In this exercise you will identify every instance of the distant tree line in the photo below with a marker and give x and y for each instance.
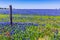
(3, 8)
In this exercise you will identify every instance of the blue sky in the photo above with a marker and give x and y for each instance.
(31, 4)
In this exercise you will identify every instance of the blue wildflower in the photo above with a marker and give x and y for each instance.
(35, 24)
(22, 28)
(29, 24)
(12, 32)
(43, 24)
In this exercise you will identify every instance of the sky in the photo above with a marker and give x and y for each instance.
(31, 4)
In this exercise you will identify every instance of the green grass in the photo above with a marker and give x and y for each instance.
(34, 32)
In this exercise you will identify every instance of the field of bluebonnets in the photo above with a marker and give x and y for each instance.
(30, 27)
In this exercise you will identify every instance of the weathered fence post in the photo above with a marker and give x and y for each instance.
(10, 14)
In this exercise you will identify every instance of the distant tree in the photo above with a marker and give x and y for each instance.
(0, 8)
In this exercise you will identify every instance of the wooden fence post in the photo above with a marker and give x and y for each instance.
(10, 14)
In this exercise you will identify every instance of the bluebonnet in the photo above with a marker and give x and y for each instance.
(25, 23)
(35, 24)
(19, 23)
(2, 27)
(43, 24)
(6, 23)
(12, 32)
(22, 28)
(29, 24)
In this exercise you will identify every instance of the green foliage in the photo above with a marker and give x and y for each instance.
(51, 23)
